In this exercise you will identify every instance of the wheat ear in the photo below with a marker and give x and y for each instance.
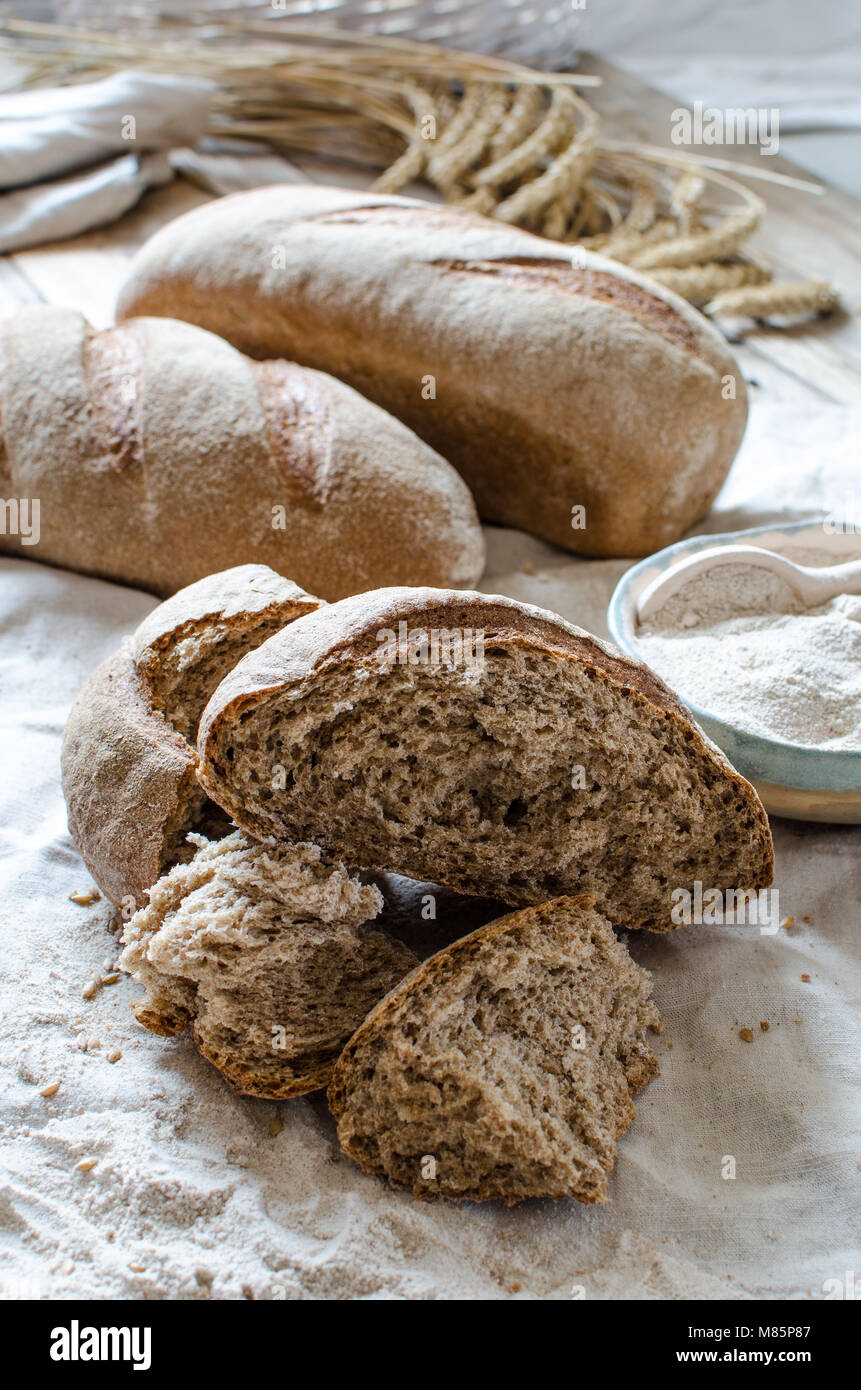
(786, 299)
(700, 283)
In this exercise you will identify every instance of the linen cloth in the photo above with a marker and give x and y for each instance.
(71, 159)
(193, 1193)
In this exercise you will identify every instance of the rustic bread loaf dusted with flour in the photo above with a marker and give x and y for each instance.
(551, 378)
(504, 1066)
(158, 454)
(129, 770)
(265, 952)
(485, 744)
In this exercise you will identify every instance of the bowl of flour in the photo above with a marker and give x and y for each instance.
(775, 684)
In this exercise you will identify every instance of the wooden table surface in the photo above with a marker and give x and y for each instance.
(803, 235)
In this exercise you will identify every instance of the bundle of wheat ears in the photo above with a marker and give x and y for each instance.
(489, 135)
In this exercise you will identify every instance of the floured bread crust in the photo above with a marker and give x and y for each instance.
(561, 379)
(129, 767)
(160, 455)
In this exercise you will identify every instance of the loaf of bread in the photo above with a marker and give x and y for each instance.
(484, 744)
(128, 764)
(554, 380)
(158, 454)
(265, 952)
(504, 1066)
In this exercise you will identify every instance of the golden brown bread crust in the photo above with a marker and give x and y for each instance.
(589, 283)
(557, 385)
(245, 601)
(246, 1081)
(348, 633)
(160, 455)
(129, 778)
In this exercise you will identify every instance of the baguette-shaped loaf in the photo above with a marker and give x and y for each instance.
(158, 454)
(129, 771)
(551, 378)
(504, 1066)
(484, 744)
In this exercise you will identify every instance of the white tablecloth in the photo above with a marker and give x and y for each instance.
(192, 1196)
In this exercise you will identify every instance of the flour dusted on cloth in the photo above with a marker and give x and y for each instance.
(737, 642)
(198, 1193)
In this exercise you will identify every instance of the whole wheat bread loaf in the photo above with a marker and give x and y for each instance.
(504, 1066)
(265, 952)
(536, 762)
(551, 378)
(129, 767)
(158, 454)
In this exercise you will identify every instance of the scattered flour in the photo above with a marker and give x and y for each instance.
(738, 643)
(198, 1194)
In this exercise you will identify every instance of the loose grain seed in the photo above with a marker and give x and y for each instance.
(84, 898)
(50, 1090)
(86, 1164)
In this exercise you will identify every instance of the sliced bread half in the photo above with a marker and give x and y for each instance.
(484, 744)
(264, 952)
(128, 762)
(504, 1066)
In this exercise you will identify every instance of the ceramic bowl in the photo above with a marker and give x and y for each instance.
(792, 780)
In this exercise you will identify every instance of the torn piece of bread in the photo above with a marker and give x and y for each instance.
(264, 952)
(485, 744)
(504, 1066)
(186, 645)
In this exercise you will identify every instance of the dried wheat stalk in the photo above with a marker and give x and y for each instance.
(488, 135)
(703, 283)
(783, 300)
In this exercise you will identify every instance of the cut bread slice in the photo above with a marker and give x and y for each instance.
(185, 646)
(484, 744)
(504, 1066)
(264, 952)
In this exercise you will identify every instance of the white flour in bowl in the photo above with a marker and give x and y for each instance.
(738, 643)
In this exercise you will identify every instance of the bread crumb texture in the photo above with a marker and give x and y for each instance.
(504, 1066)
(262, 949)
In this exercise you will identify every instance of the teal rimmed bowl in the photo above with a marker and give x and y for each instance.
(792, 780)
